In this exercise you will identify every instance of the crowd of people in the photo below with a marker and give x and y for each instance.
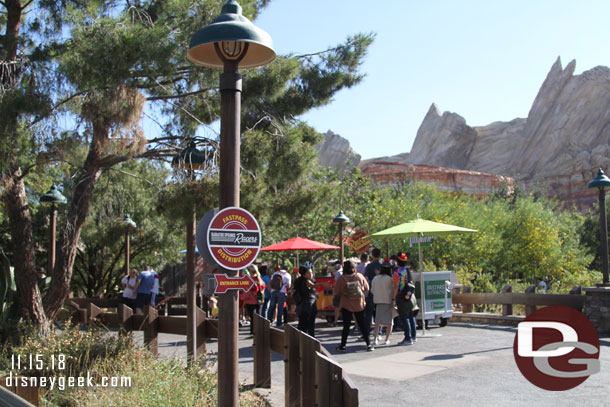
(140, 289)
(373, 294)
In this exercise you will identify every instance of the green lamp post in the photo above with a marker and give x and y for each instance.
(341, 220)
(190, 159)
(129, 225)
(52, 197)
(601, 181)
(230, 42)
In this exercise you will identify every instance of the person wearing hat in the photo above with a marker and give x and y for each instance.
(404, 293)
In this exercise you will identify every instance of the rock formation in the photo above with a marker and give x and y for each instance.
(564, 139)
(335, 152)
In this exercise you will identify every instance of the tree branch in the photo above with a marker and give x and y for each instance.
(178, 96)
(135, 176)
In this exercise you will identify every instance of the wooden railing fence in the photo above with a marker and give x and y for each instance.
(311, 377)
(507, 299)
(151, 323)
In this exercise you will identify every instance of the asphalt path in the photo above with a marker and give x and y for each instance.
(460, 364)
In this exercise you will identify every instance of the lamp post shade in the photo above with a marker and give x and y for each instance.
(600, 181)
(53, 196)
(190, 158)
(231, 37)
(129, 222)
(341, 218)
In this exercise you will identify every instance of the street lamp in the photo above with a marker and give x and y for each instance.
(130, 224)
(230, 42)
(341, 219)
(52, 197)
(600, 182)
(190, 159)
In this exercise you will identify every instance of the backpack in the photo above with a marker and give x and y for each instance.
(353, 290)
(276, 282)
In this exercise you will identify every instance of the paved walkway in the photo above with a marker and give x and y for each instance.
(458, 365)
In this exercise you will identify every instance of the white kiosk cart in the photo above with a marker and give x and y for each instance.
(438, 286)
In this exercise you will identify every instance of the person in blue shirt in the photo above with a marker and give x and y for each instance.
(263, 271)
(144, 286)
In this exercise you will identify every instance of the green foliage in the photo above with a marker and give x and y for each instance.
(82, 349)
(149, 380)
(9, 311)
(518, 239)
(131, 188)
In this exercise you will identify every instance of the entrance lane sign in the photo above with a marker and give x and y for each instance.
(225, 283)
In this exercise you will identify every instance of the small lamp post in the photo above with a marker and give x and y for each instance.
(130, 224)
(190, 159)
(341, 219)
(52, 197)
(601, 181)
(230, 42)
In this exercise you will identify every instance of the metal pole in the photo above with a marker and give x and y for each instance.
(421, 287)
(341, 251)
(52, 239)
(191, 327)
(604, 234)
(230, 100)
(127, 252)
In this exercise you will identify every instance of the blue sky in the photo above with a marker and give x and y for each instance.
(484, 60)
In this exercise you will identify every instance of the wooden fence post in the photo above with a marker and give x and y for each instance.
(291, 366)
(125, 314)
(507, 309)
(328, 381)
(92, 311)
(200, 318)
(151, 329)
(262, 352)
(308, 347)
(530, 308)
(467, 307)
(350, 393)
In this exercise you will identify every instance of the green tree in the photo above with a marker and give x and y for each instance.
(95, 66)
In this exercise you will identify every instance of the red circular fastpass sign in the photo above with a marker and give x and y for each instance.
(234, 238)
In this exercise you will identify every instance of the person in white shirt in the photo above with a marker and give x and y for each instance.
(337, 272)
(129, 283)
(278, 286)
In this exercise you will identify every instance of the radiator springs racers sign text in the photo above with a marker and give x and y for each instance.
(234, 238)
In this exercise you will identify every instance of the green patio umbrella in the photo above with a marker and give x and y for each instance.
(420, 228)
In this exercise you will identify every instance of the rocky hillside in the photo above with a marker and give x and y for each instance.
(335, 152)
(561, 143)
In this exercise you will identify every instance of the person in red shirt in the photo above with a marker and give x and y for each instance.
(253, 299)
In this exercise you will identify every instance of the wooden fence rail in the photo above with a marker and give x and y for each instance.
(151, 323)
(507, 299)
(311, 378)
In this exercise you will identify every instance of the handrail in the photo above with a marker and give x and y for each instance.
(8, 398)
